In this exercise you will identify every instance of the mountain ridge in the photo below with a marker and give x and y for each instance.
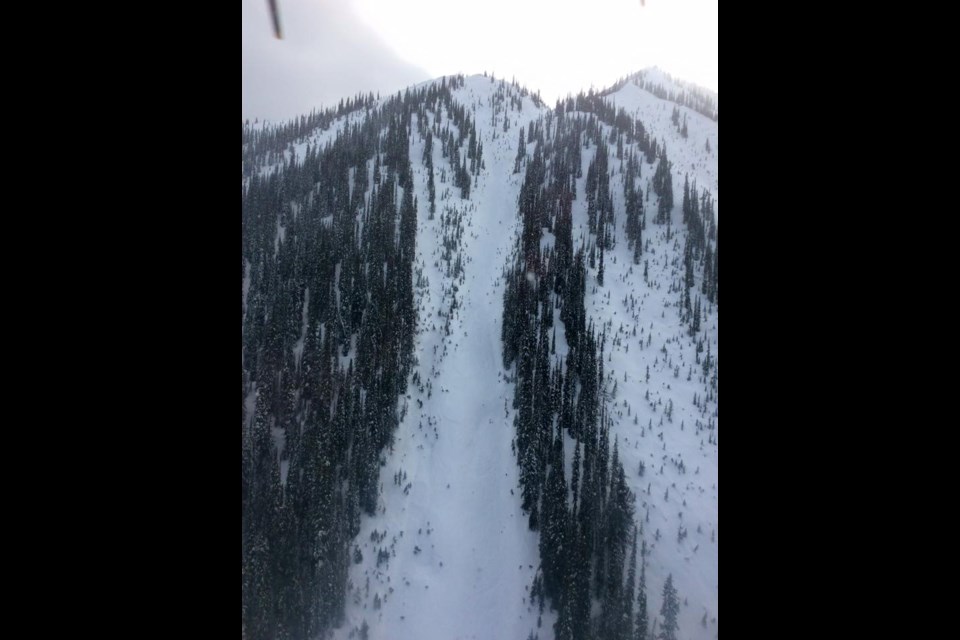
(456, 580)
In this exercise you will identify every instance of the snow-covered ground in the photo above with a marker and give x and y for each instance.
(449, 554)
(669, 494)
(461, 556)
(687, 155)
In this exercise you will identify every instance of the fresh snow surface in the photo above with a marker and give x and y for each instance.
(668, 495)
(459, 500)
(461, 557)
(656, 75)
(687, 155)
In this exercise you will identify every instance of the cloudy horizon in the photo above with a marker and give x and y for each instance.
(333, 50)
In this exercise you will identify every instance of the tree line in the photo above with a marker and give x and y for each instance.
(329, 242)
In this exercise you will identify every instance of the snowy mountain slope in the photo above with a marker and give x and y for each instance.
(688, 155)
(449, 553)
(660, 363)
(461, 556)
(656, 79)
(669, 496)
(479, 594)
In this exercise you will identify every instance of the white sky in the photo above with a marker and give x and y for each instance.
(336, 48)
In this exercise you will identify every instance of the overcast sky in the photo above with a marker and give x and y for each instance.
(336, 48)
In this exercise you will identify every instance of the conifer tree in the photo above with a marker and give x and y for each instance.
(669, 611)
